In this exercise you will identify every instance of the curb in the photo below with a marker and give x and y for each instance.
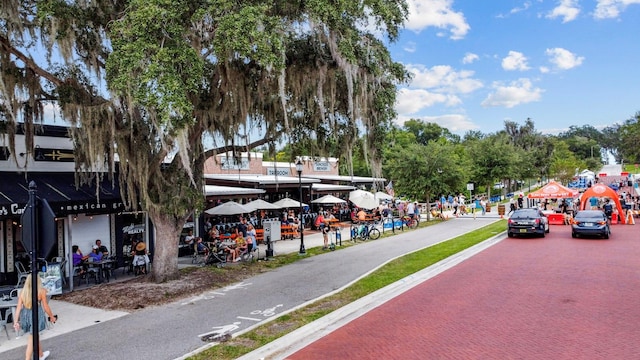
(300, 338)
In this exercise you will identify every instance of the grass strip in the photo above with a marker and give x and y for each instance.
(391, 272)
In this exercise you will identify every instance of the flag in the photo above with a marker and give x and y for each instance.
(389, 188)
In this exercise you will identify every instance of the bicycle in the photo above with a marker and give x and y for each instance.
(364, 232)
(410, 222)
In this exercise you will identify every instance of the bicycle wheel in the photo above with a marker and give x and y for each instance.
(374, 234)
(413, 223)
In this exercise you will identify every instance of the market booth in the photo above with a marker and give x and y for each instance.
(554, 190)
(600, 190)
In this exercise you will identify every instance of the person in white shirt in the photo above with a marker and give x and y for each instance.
(189, 238)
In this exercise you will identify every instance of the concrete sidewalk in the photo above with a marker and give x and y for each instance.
(71, 317)
(74, 317)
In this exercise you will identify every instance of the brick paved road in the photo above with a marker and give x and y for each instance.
(552, 298)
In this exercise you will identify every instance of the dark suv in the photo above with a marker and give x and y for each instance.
(527, 221)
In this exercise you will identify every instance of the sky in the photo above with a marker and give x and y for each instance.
(478, 63)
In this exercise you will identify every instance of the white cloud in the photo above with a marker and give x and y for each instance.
(516, 10)
(544, 69)
(452, 122)
(608, 9)
(436, 13)
(469, 58)
(515, 61)
(410, 47)
(513, 94)
(411, 101)
(568, 10)
(443, 79)
(564, 59)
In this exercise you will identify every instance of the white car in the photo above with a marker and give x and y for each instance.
(498, 186)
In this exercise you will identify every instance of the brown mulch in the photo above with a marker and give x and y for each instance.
(140, 292)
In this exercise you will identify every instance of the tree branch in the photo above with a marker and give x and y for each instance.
(29, 63)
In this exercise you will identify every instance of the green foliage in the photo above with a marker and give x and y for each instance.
(629, 138)
(152, 61)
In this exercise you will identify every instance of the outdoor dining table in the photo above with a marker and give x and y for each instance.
(104, 266)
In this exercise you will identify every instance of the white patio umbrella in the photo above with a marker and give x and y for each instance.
(328, 199)
(383, 196)
(261, 205)
(363, 199)
(288, 203)
(228, 208)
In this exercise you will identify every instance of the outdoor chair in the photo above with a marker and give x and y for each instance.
(22, 274)
(3, 322)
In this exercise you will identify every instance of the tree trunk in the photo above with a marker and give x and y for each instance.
(165, 257)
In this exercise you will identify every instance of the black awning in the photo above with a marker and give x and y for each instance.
(60, 190)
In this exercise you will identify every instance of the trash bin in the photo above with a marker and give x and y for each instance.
(500, 209)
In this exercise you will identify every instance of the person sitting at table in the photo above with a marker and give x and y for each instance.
(229, 248)
(189, 239)
(201, 248)
(140, 258)
(79, 260)
(95, 254)
(251, 237)
(362, 215)
(101, 248)
(214, 234)
(241, 248)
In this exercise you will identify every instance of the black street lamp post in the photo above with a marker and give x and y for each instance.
(299, 170)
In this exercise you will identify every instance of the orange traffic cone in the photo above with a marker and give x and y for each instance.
(630, 220)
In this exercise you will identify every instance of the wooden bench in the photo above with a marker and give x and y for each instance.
(288, 231)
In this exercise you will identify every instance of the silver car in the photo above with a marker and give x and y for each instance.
(590, 222)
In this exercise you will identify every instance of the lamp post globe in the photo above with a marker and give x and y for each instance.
(303, 251)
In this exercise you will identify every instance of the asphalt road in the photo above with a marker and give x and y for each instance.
(171, 331)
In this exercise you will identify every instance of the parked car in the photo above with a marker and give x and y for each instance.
(527, 221)
(591, 223)
(498, 186)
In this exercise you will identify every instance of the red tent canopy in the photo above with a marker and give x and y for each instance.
(553, 190)
(600, 190)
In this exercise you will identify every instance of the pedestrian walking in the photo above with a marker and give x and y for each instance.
(512, 206)
(23, 315)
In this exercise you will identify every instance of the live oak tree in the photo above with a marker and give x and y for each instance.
(144, 83)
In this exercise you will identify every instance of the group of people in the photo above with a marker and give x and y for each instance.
(240, 240)
(81, 261)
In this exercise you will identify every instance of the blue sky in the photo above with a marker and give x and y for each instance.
(477, 63)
